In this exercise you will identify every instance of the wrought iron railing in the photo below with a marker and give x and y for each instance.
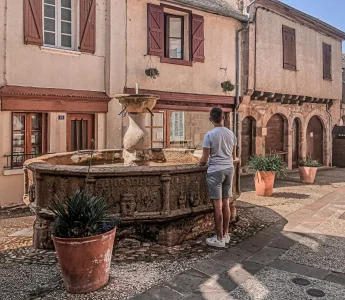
(16, 161)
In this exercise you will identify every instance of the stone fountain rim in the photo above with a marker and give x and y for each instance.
(117, 96)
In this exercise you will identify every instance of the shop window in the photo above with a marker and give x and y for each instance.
(28, 137)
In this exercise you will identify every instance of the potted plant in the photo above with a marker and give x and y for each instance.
(227, 86)
(83, 237)
(266, 168)
(307, 170)
(152, 72)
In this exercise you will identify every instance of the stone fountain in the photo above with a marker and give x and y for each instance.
(161, 195)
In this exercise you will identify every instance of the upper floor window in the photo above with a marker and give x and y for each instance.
(289, 48)
(66, 24)
(58, 23)
(174, 36)
(327, 61)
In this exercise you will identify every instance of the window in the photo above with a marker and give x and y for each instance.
(174, 26)
(28, 137)
(80, 132)
(327, 61)
(58, 23)
(289, 48)
(177, 132)
(167, 38)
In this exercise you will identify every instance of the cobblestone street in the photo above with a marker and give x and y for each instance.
(298, 233)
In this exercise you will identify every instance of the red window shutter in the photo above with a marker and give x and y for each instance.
(87, 26)
(33, 22)
(155, 30)
(289, 48)
(198, 39)
(327, 61)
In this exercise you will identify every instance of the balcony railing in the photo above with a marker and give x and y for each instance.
(16, 161)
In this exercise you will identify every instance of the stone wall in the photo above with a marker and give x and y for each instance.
(262, 111)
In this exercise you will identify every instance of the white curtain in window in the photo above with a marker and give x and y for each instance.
(177, 130)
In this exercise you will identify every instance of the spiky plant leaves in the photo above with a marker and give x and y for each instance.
(267, 163)
(82, 215)
(309, 162)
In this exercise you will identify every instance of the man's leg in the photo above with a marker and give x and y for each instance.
(226, 216)
(218, 218)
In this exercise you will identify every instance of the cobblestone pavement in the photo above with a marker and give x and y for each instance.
(266, 242)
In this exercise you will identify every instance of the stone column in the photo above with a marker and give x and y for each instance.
(165, 181)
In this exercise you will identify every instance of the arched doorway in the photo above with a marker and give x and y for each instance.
(248, 139)
(296, 142)
(315, 139)
(276, 138)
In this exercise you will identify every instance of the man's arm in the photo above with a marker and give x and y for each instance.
(234, 153)
(205, 155)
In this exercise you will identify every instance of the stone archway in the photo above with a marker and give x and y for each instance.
(315, 139)
(277, 136)
(248, 139)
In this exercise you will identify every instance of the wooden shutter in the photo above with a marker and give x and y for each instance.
(33, 26)
(87, 26)
(155, 30)
(289, 48)
(198, 39)
(327, 61)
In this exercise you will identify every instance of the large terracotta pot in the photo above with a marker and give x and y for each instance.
(264, 182)
(307, 174)
(85, 262)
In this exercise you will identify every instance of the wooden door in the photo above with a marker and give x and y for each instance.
(295, 142)
(275, 134)
(315, 139)
(248, 140)
(80, 131)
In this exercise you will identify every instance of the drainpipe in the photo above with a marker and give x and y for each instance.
(237, 100)
(330, 135)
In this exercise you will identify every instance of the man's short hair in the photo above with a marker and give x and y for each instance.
(216, 115)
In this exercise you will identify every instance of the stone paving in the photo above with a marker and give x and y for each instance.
(307, 244)
(305, 240)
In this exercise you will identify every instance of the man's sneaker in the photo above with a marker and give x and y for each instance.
(227, 239)
(214, 242)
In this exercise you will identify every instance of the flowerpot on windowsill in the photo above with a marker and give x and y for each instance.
(307, 174)
(264, 182)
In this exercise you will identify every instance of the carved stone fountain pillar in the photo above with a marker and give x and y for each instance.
(137, 142)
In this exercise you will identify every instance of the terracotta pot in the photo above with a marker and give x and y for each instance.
(264, 182)
(307, 174)
(85, 262)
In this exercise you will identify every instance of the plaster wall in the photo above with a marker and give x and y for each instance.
(308, 79)
(30, 65)
(201, 78)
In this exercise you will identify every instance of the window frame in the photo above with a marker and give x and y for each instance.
(58, 33)
(167, 37)
(323, 62)
(286, 65)
(27, 136)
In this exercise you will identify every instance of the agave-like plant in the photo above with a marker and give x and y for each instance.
(309, 162)
(267, 163)
(82, 215)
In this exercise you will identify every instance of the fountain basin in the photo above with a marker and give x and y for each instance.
(167, 201)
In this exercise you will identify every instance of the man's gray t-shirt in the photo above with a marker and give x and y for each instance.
(221, 141)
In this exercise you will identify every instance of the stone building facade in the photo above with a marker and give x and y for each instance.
(292, 84)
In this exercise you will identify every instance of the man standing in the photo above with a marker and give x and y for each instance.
(219, 150)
